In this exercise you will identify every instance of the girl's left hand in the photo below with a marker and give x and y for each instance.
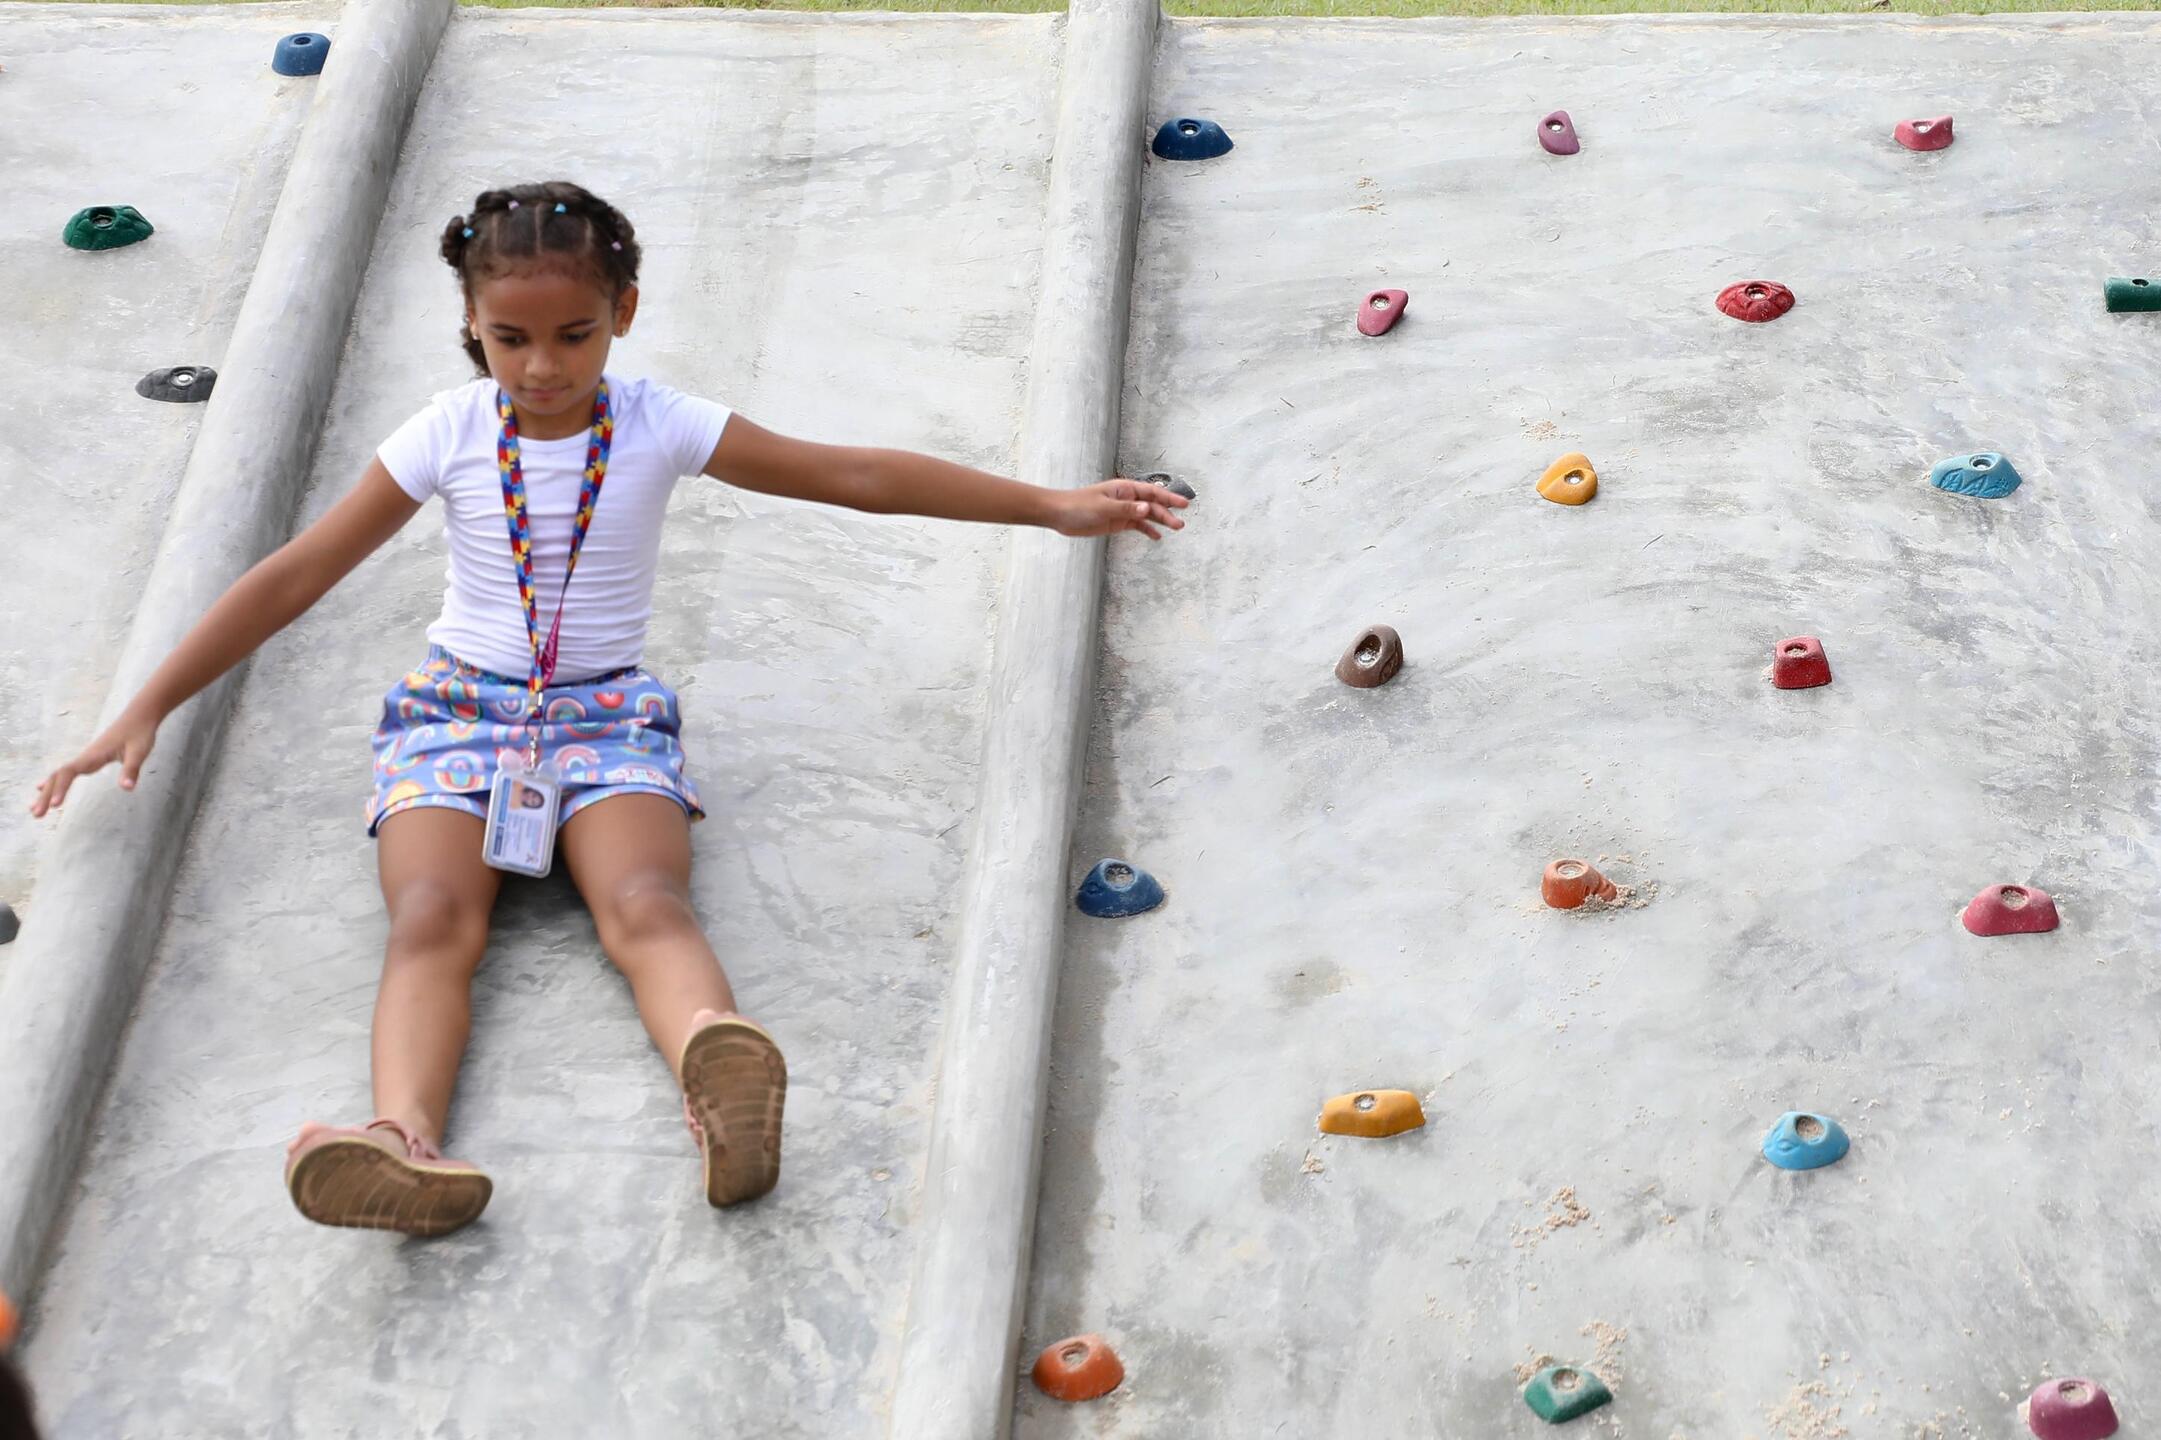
(1111, 506)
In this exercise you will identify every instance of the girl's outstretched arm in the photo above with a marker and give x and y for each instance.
(274, 593)
(901, 482)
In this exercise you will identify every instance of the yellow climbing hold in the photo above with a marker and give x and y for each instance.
(1372, 1113)
(1570, 480)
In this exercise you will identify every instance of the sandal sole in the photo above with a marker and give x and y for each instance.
(737, 1085)
(358, 1185)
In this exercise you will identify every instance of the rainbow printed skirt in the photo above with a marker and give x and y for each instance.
(447, 726)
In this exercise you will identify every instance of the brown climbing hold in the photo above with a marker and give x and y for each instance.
(1570, 480)
(1081, 1368)
(1378, 312)
(1755, 300)
(1373, 659)
(1924, 134)
(1372, 1114)
(1569, 883)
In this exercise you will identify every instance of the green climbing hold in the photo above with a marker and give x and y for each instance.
(105, 227)
(1562, 1392)
(2132, 292)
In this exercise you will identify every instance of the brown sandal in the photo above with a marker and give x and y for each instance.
(735, 1084)
(382, 1177)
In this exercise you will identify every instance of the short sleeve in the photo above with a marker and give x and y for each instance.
(687, 427)
(415, 451)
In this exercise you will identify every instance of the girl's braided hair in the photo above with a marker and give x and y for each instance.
(554, 223)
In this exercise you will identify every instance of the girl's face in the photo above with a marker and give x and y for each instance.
(546, 336)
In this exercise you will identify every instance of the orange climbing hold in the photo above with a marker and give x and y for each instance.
(7, 1323)
(1372, 1114)
(1570, 480)
(1568, 883)
(1082, 1368)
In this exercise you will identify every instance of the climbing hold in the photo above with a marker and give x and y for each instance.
(1378, 312)
(105, 227)
(2132, 292)
(7, 1323)
(1801, 1141)
(1185, 139)
(1373, 659)
(10, 925)
(1924, 134)
(1081, 1368)
(1985, 476)
(1755, 300)
(1800, 664)
(2070, 1409)
(1562, 1392)
(2010, 910)
(1373, 1114)
(1567, 884)
(301, 54)
(182, 384)
(1163, 478)
(1570, 480)
(1558, 134)
(1115, 888)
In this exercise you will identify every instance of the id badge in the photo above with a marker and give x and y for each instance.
(521, 818)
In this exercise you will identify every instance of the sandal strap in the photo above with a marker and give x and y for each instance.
(416, 1148)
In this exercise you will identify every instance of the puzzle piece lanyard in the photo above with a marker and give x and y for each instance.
(512, 471)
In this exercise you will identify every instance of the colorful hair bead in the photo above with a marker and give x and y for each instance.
(615, 244)
(468, 232)
(513, 204)
(560, 207)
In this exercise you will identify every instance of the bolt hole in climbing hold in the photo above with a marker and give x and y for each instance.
(1981, 462)
(1570, 480)
(1373, 658)
(1809, 1128)
(1082, 1368)
(1566, 1380)
(1569, 869)
(2013, 897)
(1755, 292)
(1365, 1102)
(102, 218)
(1120, 877)
(2072, 1408)
(1187, 127)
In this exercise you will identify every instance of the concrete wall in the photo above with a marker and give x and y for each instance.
(1353, 874)
(831, 248)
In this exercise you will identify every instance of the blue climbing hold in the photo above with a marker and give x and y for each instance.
(1115, 888)
(1802, 1141)
(1985, 475)
(1185, 139)
(301, 54)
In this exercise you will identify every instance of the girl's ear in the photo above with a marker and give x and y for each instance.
(626, 310)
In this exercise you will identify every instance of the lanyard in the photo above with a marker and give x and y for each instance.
(512, 470)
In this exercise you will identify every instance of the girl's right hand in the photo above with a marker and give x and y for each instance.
(127, 740)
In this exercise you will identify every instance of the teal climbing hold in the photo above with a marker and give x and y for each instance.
(105, 227)
(1189, 139)
(1985, 475)
(1804, 1141)
(2132, 292)
(1115, 888)
(1562, 1392)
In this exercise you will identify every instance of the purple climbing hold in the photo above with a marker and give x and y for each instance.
(2070, 1409)
(1558, 134)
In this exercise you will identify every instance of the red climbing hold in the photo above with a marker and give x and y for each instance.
(1800, 664)
(2011, 910)
(1570, 884)
(1081, 1368)
(1558, 134)
(1379, 312)
(2071, 1409)
(1755, 300)
(1924, 134)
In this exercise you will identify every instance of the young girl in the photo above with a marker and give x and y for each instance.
(530, 722)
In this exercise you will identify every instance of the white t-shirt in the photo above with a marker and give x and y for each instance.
(448, 449)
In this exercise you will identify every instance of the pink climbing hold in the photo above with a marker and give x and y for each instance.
(1755, 300)
(2011, 910)
(1800, 664)
(1558, 134)
(2070, 1409)
(1924, 134)
(1379, 312)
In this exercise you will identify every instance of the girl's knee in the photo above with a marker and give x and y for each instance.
(640, 909)
(432, 921)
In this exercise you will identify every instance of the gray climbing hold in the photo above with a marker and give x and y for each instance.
(10, 927)
(1115, 888)
(181, 384)
(1175, 486)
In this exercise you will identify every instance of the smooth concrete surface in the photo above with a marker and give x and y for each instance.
(177, 113)
(67, 990)
(831, 246)
(1353, 875)
(978, 1214)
